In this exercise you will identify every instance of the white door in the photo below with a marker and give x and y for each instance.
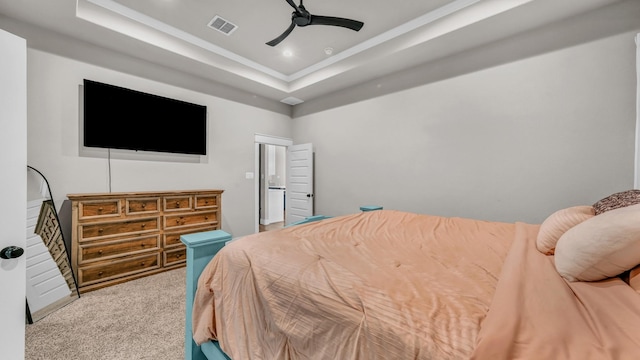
(13, 190)
(299, 195)
(637, 168)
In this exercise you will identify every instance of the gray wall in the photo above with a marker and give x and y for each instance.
(54, 140)
(513, 142)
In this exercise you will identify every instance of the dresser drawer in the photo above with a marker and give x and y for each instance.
(118, 268)
(177, 203)
(173, 238)
(174, 256)
(117, 237)
(94, 251)
(106, 229)
(206, 201)
(191, 219)
(142, 206)
(98, 209)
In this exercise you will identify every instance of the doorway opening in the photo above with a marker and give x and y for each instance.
(270, 170)
(272, 188)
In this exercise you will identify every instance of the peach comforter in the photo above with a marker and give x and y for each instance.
(397, 285)
(536, 314)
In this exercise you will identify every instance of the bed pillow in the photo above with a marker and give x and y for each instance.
(600, 247)
(617, 200)
(558, 223)
(634, 279)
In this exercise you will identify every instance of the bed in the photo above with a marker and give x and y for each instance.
(390, 284)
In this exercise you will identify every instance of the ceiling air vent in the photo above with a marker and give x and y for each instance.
(222, 25)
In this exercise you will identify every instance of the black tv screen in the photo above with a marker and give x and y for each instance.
(119, 118)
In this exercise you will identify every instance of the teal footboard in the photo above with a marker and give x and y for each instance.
(201, 247)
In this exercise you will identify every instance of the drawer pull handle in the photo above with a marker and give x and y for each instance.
(100, 209)
(143, 225)
(144, 206)
(178, 256)
(142, 263)
(99, 252)
(100, 230)
(100, 273)
(142, 245)
(206, 218)
(177, 204)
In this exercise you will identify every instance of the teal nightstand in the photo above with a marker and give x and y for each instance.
(370, 208)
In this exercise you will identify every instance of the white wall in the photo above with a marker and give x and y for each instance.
(509, 143)
(53, 140)
(512, 142)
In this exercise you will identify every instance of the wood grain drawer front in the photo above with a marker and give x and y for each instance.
(114, 269)
(196, 218)
(142, 206)
(93, 251)
(119, 228)
(174, 256)
(176, 203)
(206, 201)
(117, 237)
(99, 209)
(173, 239)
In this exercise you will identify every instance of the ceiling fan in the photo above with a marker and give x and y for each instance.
(301, 17)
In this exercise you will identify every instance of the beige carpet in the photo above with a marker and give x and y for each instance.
(139, 319)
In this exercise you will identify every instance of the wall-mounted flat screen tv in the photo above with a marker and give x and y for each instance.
(120, 118)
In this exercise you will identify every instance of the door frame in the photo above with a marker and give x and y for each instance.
(268, 140)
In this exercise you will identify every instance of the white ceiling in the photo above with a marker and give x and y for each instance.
(397, 35)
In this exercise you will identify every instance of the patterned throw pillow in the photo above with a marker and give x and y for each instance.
(617, 200)
(634, 279)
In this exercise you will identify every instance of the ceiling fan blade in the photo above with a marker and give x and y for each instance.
(336, 21)
(293, 5)
(286, 33)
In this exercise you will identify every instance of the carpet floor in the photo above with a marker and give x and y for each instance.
(137, 320)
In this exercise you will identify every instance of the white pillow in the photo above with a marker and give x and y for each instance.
(558, 223)
(600, 247)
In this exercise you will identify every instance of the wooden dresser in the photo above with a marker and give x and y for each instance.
(117, 237)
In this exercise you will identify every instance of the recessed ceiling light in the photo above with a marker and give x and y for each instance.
(287, 53)
(328, 50)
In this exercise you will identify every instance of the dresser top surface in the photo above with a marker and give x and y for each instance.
(142, 194)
